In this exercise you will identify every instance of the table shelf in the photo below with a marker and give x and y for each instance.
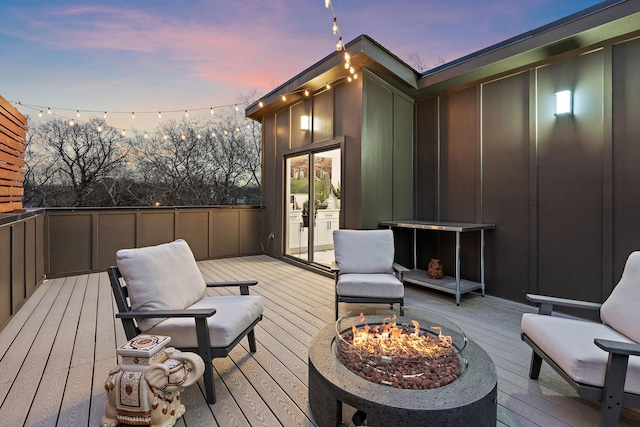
(446, 284)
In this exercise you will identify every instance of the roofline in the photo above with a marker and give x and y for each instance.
(364, 52)
(605, 20)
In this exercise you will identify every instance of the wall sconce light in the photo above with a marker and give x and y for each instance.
(563, 103)
(304, 123)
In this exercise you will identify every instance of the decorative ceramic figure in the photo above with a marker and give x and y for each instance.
(145, 388)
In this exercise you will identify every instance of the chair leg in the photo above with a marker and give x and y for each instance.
(251, 336)
(204, 350)
(402, 308)
(209, 385)
(613, 391)
(536, 364)
(336, 307)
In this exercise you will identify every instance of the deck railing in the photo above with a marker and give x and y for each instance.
(56, 242)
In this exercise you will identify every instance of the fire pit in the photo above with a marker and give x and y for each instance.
(419, 369)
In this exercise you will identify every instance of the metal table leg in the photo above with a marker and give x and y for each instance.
(457, 268)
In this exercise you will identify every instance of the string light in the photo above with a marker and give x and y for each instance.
(40, 113)
(284, 97)
(105, 115)
(133, 115)
(335, 25)
(237, 109)
(186, 113)
(49, 110)
(99, 128)
(159, 114)
(306, 92)
(78, 113)
(71, 123)
(212, 111)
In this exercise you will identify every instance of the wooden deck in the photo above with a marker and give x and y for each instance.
(56, 352)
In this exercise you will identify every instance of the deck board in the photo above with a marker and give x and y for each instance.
(56, 352)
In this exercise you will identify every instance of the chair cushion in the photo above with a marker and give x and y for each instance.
(569, 343)
(163, 277)
(233, 315)
(620, 310)
(384, 285)
(364, 251)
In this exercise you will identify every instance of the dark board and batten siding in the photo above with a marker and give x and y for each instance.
(562, 191)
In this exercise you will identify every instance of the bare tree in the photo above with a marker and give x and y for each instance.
(70, 161)
(420, 64)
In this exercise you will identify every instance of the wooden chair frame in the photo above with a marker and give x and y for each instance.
(200, 316)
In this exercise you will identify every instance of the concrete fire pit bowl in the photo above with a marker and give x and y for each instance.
(470, 400)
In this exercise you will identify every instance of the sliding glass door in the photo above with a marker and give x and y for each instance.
(313, 205)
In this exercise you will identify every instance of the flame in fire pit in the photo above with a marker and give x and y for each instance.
(400, 355)
(390, 340)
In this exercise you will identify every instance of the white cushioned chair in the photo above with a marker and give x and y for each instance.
(600, 360)
(160, 291)
(364, 270)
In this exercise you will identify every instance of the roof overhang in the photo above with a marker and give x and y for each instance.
(584, 29)
(365, 53)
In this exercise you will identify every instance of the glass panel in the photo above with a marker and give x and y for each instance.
(326, 183)
(297, 195)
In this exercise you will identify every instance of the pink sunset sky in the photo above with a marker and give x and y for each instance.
(146, 56)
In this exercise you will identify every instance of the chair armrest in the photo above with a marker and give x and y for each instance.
(235, 283)
(547, 303)
(400, 268)
(618, 347)
(334, 267)
(243, 284)
(196, 313)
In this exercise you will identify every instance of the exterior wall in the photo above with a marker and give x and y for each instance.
(387, 153)
(83, 240)
(561, 190)
(336, 115)
(21, 260)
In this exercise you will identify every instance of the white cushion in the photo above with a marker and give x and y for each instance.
(364, 251)
(569, 343)
(621, 310)
(233, 315)
(384, 285)
(163, 277)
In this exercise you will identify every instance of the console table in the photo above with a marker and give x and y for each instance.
(452, 285)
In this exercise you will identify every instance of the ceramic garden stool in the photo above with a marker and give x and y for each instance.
(144, 389)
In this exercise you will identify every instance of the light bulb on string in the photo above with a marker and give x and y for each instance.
(78, 113)
(40, 113)
(133, 115)
(347, 65)
(186, 113)
(335, 25)
(347, 57)
(198, 136)
(339, 44)
(226, 132)
(306, 92)
(327, 3)
(71, 123)
(284, 97)
(352, 70)
(105, 115)
(355, 76)
(183, 137)
(237, 109)
(237, 129)
(260, 104)
(165, 137)
(49, 110)
(212, 111)
(213, 134)
(146, 135)
(328, 86)
(159, 114)
(349, 79)
(99, 129)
